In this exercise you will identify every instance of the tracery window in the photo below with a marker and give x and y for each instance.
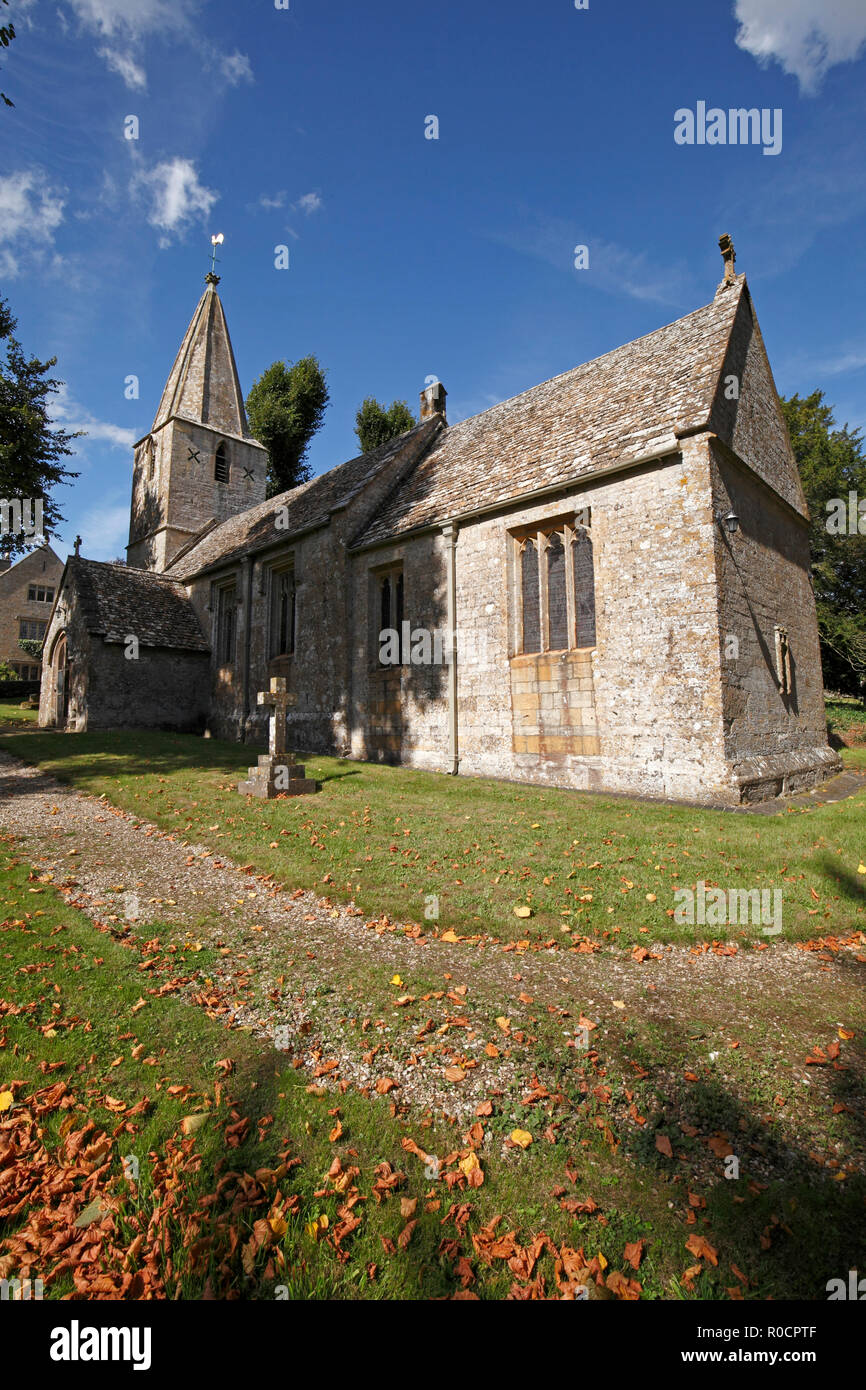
(555, 606)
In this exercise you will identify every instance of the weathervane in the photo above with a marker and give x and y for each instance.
(212, 278)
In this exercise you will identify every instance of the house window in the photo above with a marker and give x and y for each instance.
(556, 602)
(32, 630)
(282, 615)
(221, 464)
(226, 625)
(37, 593)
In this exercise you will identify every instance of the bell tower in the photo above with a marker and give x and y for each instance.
(199, 463)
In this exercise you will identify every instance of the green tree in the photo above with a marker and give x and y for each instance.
(377, 424)
(285, 407)
(7, 34)
(30, 450)
(832, 465)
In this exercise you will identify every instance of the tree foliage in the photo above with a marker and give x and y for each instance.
(832, 466)
(30, 449)
(7, 34)
(285, 407)
(377, 424)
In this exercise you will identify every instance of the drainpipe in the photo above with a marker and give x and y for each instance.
(449, 533)
(248, 623)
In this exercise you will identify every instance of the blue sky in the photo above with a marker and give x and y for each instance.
(410, 256)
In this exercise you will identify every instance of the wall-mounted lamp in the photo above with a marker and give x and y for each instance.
(731, 522)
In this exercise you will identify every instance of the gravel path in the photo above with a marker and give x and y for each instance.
(318, 971)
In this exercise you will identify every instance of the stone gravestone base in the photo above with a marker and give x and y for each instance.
(273, 777)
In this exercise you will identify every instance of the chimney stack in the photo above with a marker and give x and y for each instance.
(433, 401)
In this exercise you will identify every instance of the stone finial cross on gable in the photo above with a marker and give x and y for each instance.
(279, 698)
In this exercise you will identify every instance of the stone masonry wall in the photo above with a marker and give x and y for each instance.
(67, 617)
(654, 683)
(775, 742)
(183, 495)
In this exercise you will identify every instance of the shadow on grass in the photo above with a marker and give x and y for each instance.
(785, 1220)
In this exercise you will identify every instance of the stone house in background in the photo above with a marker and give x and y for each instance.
(27, 590)
(622, 553)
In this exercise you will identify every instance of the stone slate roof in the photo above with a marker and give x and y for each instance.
(116, 601)
(308, 506)
(616, 407)
(203, 382)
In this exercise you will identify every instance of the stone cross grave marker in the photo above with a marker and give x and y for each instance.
(277, 771)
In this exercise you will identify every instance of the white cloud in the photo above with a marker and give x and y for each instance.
(807, 37)
(131, 22)
(176, 196)
(126, 67)
(66, 412)
(31, 210)
(235, 68)
(278, 201)
(131, 19)
(309, 202)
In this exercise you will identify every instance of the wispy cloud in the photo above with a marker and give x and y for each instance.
(309, 203)
(269, 204)
(235, 68)
(66, 412)
(126, 67)
(175, 196)
(31, 210)
(129, 25)
(612, 268)
(805, 37)
(133, 19)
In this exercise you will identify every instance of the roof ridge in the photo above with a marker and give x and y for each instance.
(591, 361)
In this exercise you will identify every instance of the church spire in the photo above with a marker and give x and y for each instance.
(203, 384)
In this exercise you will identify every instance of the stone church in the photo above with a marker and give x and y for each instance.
(602, 583)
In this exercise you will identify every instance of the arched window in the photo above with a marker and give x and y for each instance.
(282, 632)
(557, 600)
(221, 464)
(385, 604)
(584, 587)
(530, 595)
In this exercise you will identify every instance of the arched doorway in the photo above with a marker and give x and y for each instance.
(60, 682)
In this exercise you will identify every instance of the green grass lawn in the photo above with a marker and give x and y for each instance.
(234, 1209)
(410, 843)
(11, 712)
